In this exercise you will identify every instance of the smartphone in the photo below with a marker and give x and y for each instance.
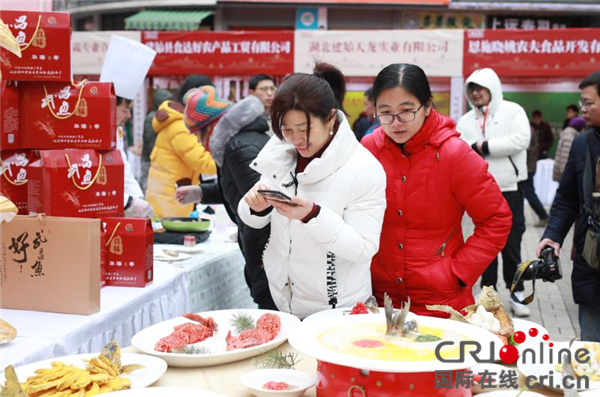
(277, 196)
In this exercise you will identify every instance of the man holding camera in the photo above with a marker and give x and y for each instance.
(578, 197)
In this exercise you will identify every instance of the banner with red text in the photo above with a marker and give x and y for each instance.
(560, 52)
(365, 53)
(223, 53)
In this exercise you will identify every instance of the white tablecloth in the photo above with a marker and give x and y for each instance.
(215, 276)
(545, 187)
(210, 280)
(125, 311)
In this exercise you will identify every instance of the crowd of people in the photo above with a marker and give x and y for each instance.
(376, 208)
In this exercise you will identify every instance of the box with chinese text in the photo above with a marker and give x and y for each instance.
(128, 251)
(76, 183)
(62, 115)
(9, 115)
(13, 178)
(45, 41)
(50, 264)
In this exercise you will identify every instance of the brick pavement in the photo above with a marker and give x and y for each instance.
(553, 306)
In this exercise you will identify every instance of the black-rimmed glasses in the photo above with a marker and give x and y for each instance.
(404, 117)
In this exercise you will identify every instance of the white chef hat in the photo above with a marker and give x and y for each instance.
(126, 64)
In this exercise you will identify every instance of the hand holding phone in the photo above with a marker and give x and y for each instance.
(276, 195)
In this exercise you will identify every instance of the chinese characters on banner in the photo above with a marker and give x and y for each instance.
(525, 22)
(221, 52)
(365, 53)
(571, 52)
(89, 49)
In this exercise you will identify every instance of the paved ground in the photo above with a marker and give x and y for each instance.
(553, 306)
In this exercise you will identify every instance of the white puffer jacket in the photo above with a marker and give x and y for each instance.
(324, 263)
(507, 131)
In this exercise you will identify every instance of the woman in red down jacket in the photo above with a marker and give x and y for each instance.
(432, 178)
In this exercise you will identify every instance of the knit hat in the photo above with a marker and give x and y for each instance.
(578, 123)
(203, 106)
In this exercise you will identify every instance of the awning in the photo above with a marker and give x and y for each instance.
(166, 20)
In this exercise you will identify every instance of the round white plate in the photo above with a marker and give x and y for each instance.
(524, 326)
(547, 366)
(590, 393)
(160, 256)
(165, 392)
(305, 338)
(154, 367)
(298, 381)
(146, 339)
(178, 248)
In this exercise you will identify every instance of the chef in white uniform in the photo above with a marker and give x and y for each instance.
(127, 82)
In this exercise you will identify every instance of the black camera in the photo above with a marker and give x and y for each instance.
(546, 268)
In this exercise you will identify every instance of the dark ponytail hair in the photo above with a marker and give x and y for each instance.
(410, 77)
(319, 94)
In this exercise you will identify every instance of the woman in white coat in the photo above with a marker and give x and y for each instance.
(319, 252)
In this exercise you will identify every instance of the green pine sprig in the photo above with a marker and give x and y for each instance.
(191, 349)
(276, 359)
(242, 321)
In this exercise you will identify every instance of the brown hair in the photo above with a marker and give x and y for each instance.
(319, 94)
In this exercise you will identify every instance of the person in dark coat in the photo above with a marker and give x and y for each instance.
(569, 206)
(149, 137)
(236, 141)
(366, 118)
(572, 111)
(544, 134)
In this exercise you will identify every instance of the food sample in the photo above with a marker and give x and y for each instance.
(272, 385)
(267, 328)
(187, 334)
(490, 303)
(100, 376)
(7, 332)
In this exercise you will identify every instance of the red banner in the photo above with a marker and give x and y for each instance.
(219, 53)
(561, 52)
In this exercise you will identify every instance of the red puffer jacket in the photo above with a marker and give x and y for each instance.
(422, 253)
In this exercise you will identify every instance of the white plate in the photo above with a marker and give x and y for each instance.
(298, 381)
(160, 256)
(179, 248)
(591, 393)
(154, 367)
(547, 366)
(164, 392)
(146, 339)
(305, 338)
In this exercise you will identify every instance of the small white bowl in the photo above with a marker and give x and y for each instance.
(299, 382)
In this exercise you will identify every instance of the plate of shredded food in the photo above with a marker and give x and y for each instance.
(92, 373)
(217, 337)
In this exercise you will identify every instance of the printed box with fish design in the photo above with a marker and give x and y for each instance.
(13, 181)
(62, 115)
(45, 41)
(76, 183)
(128, 251)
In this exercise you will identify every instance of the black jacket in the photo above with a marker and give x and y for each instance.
(567, 208)
(233, 155)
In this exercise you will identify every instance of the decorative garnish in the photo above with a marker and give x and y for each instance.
(276, 359)
(427, 338)
(242, 321)
(191, 349)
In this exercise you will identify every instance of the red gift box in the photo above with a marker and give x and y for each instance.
(129, 251)
(45, 40)
(76, 183)
(13, 182)
(60, 116)
(9, 116)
